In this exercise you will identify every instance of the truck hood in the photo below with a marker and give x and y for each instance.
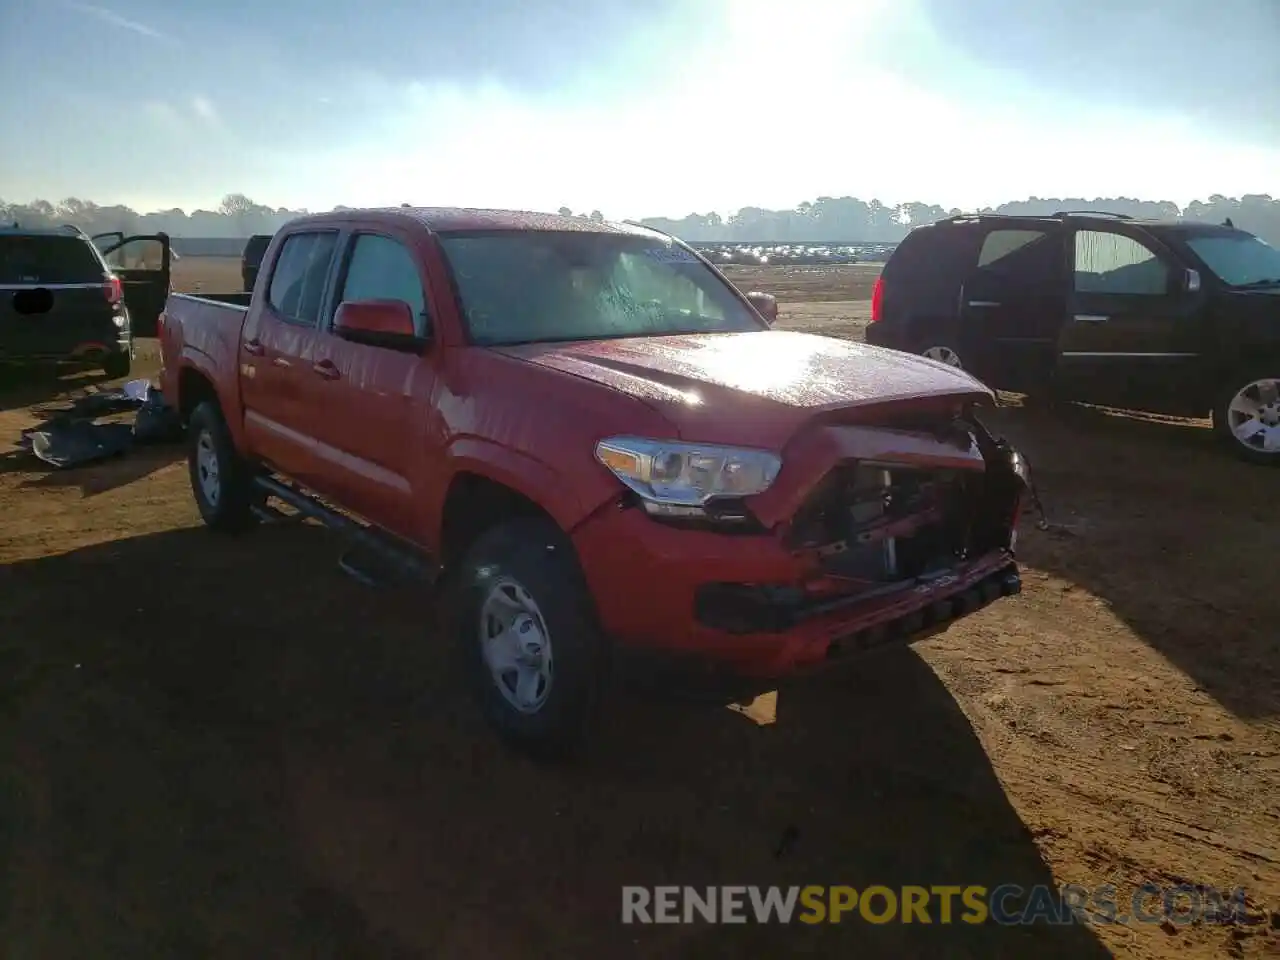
(757, 388)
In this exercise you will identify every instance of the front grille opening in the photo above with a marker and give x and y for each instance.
(877, 524)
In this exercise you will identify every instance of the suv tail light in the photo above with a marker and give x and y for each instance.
(877, 300)
(113, 290)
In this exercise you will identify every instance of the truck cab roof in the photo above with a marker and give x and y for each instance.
(467, 219)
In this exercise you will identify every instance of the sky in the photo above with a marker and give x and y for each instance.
(636, 107)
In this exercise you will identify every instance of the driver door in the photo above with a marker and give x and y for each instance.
(1132, 335)
(143, 265)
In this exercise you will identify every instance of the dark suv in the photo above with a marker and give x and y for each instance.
(64, 300)
(1173, 317)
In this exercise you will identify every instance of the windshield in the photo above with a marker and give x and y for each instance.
(45, 259)
(1240, 259)
(530, 286)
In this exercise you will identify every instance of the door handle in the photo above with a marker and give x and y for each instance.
(984, 303)
(1090, 318)
(253, 347)
(326, 369)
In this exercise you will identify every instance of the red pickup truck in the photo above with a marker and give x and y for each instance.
(601, 441)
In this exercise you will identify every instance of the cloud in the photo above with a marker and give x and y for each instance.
(113, 18)
(205, 110)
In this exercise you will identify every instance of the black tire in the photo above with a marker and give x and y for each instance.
(1222, 418)
(534, 554)
(943, 345)
(230, 512)
(117, 365)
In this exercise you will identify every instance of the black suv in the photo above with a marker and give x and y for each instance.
(1172, 317)
(255, 249)
(64, 300)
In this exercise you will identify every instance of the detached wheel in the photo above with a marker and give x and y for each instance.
(525, 620)
(117, 365)
(943, 353)
(221, 481)
(1247, 416)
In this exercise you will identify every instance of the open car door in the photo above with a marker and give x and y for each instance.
(104, 241)
(142, 263)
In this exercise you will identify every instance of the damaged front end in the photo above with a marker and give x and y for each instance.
(905, 527)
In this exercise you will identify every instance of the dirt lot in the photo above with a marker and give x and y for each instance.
(229, 749)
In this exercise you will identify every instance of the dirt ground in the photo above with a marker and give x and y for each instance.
(219, 748)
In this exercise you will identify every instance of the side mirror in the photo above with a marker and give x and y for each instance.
(766, 305)
(378, 323)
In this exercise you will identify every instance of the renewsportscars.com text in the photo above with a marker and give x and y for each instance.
(1008, 904)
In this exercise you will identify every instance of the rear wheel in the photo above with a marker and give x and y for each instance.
(525, 620)
(1247, 416)
(221, 480)
(943, 353)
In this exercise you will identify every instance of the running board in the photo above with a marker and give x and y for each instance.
(374, 558)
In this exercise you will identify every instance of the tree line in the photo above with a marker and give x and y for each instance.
(827, 219)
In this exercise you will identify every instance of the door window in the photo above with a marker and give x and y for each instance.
(136, 253)
(383, 269)
(297, 281)
(1112, 263)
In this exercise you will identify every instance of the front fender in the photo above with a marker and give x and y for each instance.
(569, 500)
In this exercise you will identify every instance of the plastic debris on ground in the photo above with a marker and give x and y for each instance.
(72, 437)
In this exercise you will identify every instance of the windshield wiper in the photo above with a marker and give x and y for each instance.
(1266, 282)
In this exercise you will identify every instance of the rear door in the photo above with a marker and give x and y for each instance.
(1131, 336)
(1012, 305)
(54, 297)
(143, 265)
(284, 400)
(372, 430)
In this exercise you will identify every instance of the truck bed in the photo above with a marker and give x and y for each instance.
(203, 332)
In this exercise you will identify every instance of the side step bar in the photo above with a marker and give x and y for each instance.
(375, 558)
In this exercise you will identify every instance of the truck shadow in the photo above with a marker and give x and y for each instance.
(1176, 535)
(228, 748)
(29, 386)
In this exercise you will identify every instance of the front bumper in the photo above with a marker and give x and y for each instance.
(661, 590)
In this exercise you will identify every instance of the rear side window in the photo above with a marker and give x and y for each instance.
(384, 269)
(1113, 263)
(1022, 258)
(928, 267)
(45, 259)
(297, 282)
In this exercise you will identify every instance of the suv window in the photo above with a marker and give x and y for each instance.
(138, 253)
(48, 259)
(381, 268)
(297, 282)
(1001, 243)
(1115, 264)
(1022, 258)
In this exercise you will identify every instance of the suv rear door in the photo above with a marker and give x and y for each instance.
(1132, 335)
(1011, 305)
(55, 301)
(920, 287)
(143, 265)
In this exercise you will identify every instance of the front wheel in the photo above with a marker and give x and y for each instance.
(221, 480)
(526, 623)
(1247, 416)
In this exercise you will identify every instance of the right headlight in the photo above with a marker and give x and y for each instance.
(672, 474)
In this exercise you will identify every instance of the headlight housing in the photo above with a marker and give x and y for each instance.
(673, 478)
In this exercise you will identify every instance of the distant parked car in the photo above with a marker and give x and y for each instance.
(1173, 317)
(251, 259)
(63, 300)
